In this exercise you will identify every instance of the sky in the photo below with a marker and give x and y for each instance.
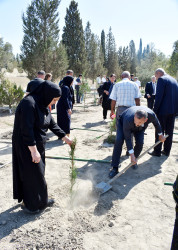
(155, 21)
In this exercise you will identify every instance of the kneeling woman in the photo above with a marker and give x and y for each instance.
(32, 120)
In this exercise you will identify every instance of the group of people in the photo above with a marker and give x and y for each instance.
(33, 119)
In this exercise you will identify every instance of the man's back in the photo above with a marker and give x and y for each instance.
(125, 92)
(166, 100)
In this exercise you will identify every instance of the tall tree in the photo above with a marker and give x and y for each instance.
(173, 62)
(73, 39)
(133, 60)
(40, 46)
(140, 51)
(7, 59)
(111, 54)
(125, 59)
(103, 45)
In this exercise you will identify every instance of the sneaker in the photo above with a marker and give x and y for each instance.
(113, 172)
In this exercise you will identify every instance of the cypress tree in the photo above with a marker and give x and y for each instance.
(73, 39)
(140, 51)
(173, 63)
(103, 45)
(111, 54)
(40, 46)
(132, 53)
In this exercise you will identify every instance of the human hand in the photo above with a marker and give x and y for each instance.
(133, 159)
(36, 157)
(162, 138)
(69, 111)
(67, 140)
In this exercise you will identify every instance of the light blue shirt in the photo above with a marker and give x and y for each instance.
(125, 92)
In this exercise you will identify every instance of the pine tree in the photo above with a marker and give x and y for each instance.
(111, 54)
(73, 39)
(103, 45)
(40, 46)
(7, 59)
(125, 59)
(132, 53)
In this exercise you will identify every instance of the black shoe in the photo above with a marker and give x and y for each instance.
(164, 153)
(50, 202)
(113, 172)
(154, 154)
(135, 166)
(26, 210)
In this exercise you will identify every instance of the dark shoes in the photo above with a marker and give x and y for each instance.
(26, 210)
(154, 154)
(113, 172)
(135, 166)
(127, 153)
(164, 153)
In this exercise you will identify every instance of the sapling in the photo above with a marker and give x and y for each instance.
(84, 88)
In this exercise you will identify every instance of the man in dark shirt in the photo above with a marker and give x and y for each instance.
(32, 85)
(133, 120)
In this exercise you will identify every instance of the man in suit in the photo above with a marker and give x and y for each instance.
(166, 106)
(133, 120)
(32, 85)
(150, 92)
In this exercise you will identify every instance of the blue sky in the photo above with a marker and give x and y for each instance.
(155, 21)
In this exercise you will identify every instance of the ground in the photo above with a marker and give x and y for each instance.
(138, 213)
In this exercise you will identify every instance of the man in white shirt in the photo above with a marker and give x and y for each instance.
(124, 94)
(98, 81)
(138, 82)
(103, 79)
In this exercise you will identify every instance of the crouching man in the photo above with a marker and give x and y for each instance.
(133, 120)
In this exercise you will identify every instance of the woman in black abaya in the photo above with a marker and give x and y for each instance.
(32, 120)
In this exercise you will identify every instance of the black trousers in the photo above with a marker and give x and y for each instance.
(175, 233)
(77, 88)
(150, 102)
(105, 110)
(167, 125)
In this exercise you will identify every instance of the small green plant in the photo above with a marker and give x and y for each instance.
(10, 94)
(112, 126)
(73, 170)
(84, 88)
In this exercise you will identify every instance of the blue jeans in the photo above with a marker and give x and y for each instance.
(139, 140)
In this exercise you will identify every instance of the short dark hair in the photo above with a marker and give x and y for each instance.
(132, 75)
(112, 75)
(80, 75)
(41, 72)
(141, 114)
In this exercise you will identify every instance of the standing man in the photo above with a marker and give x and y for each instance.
(107, 89)
(32, 85)
(133, 120)
(137, 82)
(77, 88)
(166, 106)
(132, 77)
(124, 95)
(103, 79)
(150, 92)
(98, 81)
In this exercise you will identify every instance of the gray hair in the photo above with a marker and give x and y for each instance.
(141, 114)
(41, 72)
(160, 70)
(125, 74)
(69, 71)
(153, 77)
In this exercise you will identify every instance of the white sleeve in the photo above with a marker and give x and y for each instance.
(113, 94)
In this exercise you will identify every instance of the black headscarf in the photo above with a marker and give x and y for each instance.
(67, 80)
(45, 93)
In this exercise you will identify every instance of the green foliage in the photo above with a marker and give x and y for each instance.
(84, 88)
(110, 139)
(7, 59)
(173, 62)
(149, 63)
(112, 126)
(133, 58)
(40, 47)
(73, 39)
(73, 170)
(10, 94)
(111, 54)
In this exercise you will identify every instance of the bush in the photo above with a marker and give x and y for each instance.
(10, 94)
